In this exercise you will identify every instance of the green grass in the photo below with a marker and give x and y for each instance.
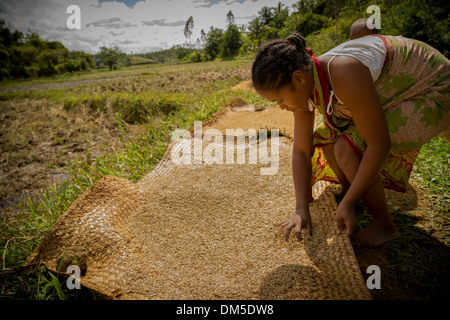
(432, 168)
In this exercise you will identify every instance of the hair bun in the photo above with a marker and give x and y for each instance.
(297, 40)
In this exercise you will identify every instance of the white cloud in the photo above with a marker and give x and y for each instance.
(147, 26)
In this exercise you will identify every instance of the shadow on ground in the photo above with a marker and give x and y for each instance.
(414, 266)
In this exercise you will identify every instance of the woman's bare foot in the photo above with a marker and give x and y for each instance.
(374, 235)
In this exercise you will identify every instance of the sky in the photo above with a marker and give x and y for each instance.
(135, 26)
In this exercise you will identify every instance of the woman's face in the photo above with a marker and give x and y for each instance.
(291, 97)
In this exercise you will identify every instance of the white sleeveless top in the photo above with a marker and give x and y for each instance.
(369, 50)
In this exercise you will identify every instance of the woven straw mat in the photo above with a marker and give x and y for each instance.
(204, 231)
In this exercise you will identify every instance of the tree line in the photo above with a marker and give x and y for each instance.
(28, 56)
(325, 24)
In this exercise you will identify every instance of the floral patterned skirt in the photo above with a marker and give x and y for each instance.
(414, 90)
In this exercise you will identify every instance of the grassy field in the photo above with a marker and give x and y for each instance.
(60, 135)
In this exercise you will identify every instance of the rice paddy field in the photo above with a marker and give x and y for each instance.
(58, 136)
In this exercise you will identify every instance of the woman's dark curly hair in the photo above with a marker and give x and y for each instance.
(276, 61)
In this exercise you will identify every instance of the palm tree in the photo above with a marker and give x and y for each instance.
(230, 17)
(280, 14)
(256, 29)
(278, 8)
(303, 6)
(188, 28)
(266, 15)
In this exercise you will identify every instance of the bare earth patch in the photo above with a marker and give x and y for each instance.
(38, 141)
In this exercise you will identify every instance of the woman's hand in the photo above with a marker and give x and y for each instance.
(345, 217)
(301, 219)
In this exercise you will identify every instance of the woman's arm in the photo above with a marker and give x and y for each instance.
(353, 84)
(301, 156)
(301, 170)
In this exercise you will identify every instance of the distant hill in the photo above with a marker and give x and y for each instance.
(139, 60)
(173, 54)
